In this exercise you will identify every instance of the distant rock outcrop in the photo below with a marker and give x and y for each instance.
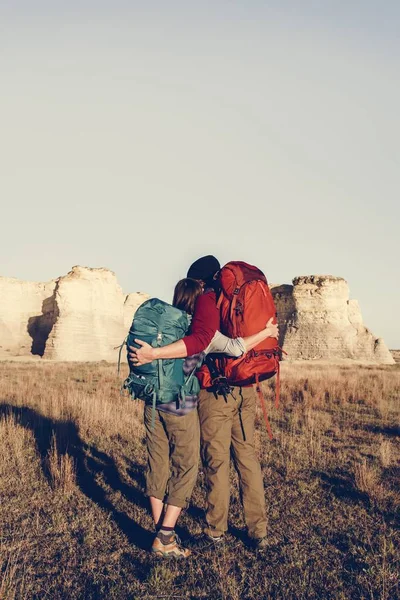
(24, 309)
(84, 315)
(81, 316)
(396, 355)
(318, 321)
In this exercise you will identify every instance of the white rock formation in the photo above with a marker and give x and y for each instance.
(318, 321)
(23, 324)
(84, 315)
(90, 321)
(81, 316)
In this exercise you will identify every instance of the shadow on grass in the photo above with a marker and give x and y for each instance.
(342, 487)
(389, 430)
(90, 465)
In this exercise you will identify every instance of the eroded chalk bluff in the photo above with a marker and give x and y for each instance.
(84, 315)
(317, 320)
(81, 316)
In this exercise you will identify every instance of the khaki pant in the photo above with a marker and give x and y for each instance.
(222, 425)
(172, 456)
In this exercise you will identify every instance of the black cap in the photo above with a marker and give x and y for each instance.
(204, 268)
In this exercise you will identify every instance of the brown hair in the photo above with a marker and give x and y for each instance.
(186, 293)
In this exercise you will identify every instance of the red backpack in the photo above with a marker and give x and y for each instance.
(246, 305)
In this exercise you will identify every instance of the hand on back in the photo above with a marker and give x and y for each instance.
(272, 328)
(143, 355)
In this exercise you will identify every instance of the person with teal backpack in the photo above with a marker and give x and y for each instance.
(170, 391)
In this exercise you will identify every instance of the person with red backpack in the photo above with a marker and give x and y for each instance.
(227, 414)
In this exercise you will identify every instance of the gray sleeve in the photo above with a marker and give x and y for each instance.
(221, 344)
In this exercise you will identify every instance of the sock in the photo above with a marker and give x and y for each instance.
(166, 530)
(165, 534)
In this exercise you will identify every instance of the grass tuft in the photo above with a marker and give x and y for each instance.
(61, 469)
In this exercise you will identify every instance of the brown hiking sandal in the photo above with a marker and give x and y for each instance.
(169, 547)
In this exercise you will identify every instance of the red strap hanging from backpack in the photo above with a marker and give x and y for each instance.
(277, 385)
(264, 408)
(278, 379)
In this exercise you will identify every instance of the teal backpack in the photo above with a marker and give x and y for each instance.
(163, 380)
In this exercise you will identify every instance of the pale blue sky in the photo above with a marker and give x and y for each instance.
(138, 136)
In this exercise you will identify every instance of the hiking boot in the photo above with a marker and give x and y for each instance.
(207, 542)
(169, 547)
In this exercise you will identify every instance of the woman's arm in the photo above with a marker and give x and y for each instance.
(146, 353)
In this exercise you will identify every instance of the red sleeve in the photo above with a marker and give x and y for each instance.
(204, 324)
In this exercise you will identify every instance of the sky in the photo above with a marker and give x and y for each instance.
(139, 136)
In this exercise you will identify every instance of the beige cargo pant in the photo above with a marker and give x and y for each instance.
(173, 452)
(221, 429)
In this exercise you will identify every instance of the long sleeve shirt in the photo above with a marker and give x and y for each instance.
(221, 344)
(204, 325)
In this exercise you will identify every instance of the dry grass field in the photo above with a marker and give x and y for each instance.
(74, 522)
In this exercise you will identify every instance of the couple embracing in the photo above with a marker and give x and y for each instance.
(180, 418)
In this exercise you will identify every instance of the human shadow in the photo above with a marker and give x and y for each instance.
(342, 487)
(389, 430)
(91, 465)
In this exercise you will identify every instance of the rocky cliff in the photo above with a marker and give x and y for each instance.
(24, 312)
(80, 316)
(84, 315)
(318, 321)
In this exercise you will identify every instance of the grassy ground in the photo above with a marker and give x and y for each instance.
(74, 521)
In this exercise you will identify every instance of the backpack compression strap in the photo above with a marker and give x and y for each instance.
(157, 343)
(232, 307)
(120, 352)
